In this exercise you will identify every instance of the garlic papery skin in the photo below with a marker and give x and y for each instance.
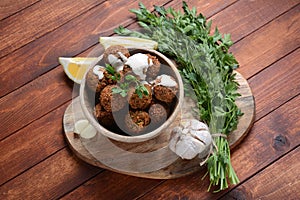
(190, 139)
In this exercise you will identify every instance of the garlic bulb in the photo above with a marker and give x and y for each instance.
(190, 139)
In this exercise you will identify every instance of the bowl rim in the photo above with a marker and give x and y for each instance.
(140, 138)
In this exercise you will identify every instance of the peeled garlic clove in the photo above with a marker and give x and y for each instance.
(80, 125)
(89, 132)
(84, 129)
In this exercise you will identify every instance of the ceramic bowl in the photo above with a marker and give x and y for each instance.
(87, 104)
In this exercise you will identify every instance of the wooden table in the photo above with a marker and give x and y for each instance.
(35, 160)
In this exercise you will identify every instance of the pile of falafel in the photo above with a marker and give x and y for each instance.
(131, 107)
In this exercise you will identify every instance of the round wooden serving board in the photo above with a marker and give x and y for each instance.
(150, 159)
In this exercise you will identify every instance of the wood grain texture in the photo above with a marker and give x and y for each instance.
(244, 17)
(277, 181)
(17, 152)
(32, 101)
(113, 186)
(258, 149)
(42, 54)
(8, 7)
(271, 42)
(9, 115)
(266, 34)
(50, 179)
(39, 19)
(38, 57)
(280, 82)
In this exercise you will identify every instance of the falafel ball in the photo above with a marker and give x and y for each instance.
(104, 118)
(108, 78)
(136, 102)
(115, 50)
(93, 82)
(136, 122)
(153, 70)
(165, 88)
(111, 102)
(158, 114)
(163, 93)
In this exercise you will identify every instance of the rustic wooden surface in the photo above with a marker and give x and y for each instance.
(36, 162)
(152, 158)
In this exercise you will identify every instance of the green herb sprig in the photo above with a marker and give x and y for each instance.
(205, 63)
(114, 75)
(140, 89)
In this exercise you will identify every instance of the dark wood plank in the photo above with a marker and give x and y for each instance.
(243, 17)
(8, 7)
(113, 186)
(33, 101)
(19, 152)
(207, 8)
(37, 20)
(281, 180)
(269, 43)
(42, 54)
(49, 179)
(259, 149)
(279, 83)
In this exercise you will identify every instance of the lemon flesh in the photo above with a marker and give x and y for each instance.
(75, 68)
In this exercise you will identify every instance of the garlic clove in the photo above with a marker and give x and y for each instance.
(89, 132)
(188, 147)
(192, 138)
(175, 136)
(203, 136)
(80, 125)
(197, 125)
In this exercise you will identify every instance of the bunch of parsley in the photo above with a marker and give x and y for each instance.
(205, 63)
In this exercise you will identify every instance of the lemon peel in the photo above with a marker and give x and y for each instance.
(128, 42)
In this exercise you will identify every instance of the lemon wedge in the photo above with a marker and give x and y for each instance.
(128, 42)
(76, 67)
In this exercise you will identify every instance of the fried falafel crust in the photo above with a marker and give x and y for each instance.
(163, 93)
(136, 122)
(104, 118)
(136, 102)
(113, 50)
(111, 102)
